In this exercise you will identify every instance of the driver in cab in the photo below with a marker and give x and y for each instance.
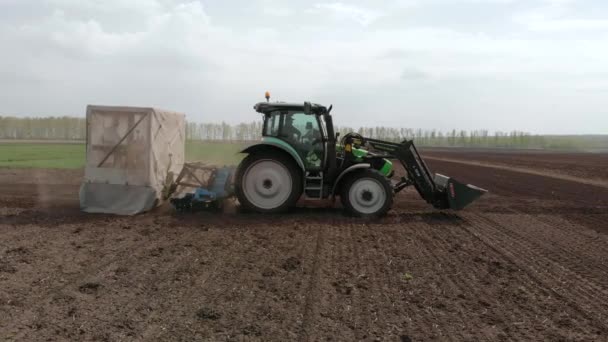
(289, 131)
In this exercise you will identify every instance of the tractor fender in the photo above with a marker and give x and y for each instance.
(277, 146)
(347, 171)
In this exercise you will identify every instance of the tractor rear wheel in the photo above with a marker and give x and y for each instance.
(367, 193)
(268, 183)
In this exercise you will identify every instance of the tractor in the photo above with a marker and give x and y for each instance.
(301, 154)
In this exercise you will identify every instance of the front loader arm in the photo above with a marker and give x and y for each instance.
(418, 172)
(440, 191)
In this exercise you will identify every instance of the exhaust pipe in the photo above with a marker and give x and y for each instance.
(452, 194)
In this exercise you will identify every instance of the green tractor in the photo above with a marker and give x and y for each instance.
(300, 154)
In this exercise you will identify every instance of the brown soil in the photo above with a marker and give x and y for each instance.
(583, 165)
(527, 262)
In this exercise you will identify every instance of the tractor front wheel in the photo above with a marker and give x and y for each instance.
(367, 193)
(268, 183)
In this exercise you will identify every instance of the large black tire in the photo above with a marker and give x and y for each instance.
(366, 193)
(259, 182)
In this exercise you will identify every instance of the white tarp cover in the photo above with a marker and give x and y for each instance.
(132, 154)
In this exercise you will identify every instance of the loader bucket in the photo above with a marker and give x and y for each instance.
(457, 194)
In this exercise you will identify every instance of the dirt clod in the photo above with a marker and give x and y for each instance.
(89, 288)
(7, 268)
(343, 287)
(252, 330)
(18, 251)
(206, 313)
(268, 272)
(291, 264)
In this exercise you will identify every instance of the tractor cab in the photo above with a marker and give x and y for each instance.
(302, 128)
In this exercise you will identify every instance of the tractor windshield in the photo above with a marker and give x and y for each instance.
(301, 131)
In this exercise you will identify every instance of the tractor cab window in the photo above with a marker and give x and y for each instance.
(304, 133)
(301, 131)
(272, 124)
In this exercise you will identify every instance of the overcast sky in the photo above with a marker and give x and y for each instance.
(535, 65)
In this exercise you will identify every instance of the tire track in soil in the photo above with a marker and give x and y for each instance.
(350, 282)
(589, 238)
(358, 304)
(530, 261)
(45, 297)
(453, 287)
(475, 287)
(306, 246)
(375, 293)
(594, 220)
(362, 324)
(336, 282)
(337, 303)
(537, 308)
(553, 253)
(583, 258)
(298, 244)
(465, 285)
(203, 285)
(234, 269)
(345, 309)
(13, 233)
(139, 254)
(383, 269)
(309, 247)
(162, 280)
(152, 330)
(515, 310)
(567, 227)
(312, 290)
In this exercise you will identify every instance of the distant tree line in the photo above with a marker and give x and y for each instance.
(51, 128)
(223, 131)
(453, 138)
(70, 128)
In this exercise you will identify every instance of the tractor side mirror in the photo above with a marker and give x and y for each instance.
(307, 108)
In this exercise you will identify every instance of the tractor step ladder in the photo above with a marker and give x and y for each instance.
(313, 186)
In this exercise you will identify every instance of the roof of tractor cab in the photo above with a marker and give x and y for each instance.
(269, 107)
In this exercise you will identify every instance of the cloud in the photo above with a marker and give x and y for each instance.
(414, 75)
(167, 27)
(360, 15)
(556, 15)
(278, 11)
(212, 61)
(398, 54)
(70, 57)
(540, 23)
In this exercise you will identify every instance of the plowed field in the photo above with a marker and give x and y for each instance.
(528, 261)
